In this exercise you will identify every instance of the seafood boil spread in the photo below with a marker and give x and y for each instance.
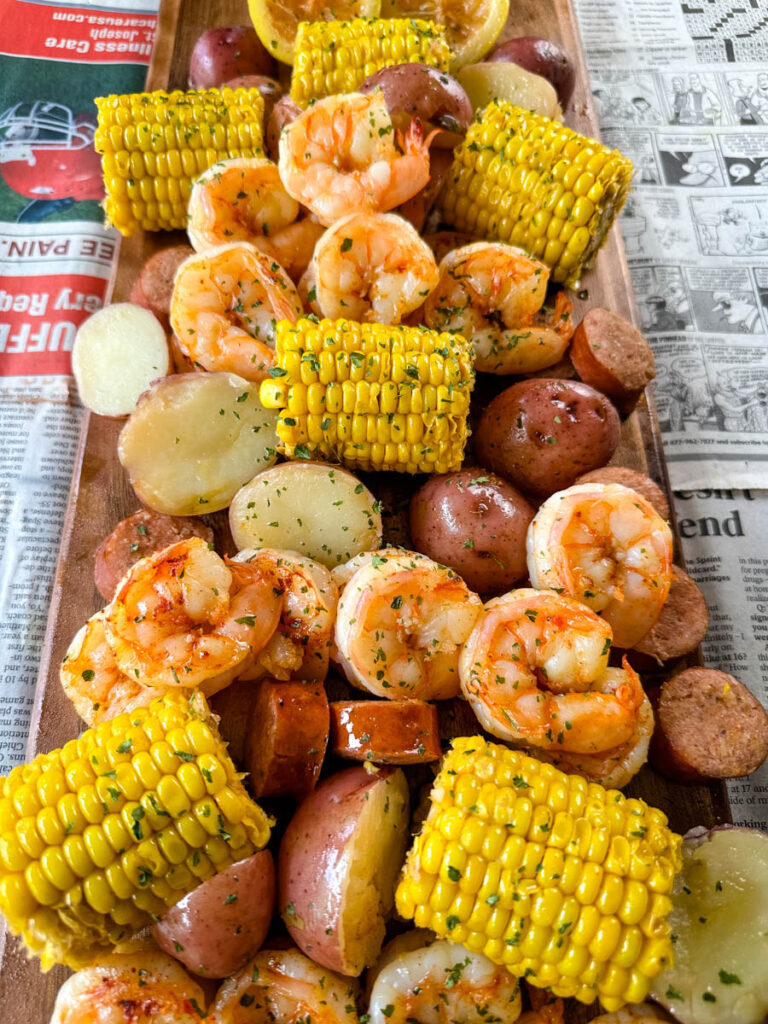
(330, 773)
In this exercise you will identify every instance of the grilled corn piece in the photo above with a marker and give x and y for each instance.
(534, 183)
(155, 144)
(371, 396)
(118, 825)
(337, 56)
(565, 883)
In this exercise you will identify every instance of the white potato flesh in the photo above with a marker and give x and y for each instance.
(117, 354)
(720, 923)
(505, 81)
(194, 439)
(317, 509)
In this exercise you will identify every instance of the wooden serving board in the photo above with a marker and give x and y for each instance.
(101, 494)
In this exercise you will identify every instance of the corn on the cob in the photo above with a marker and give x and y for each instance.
(155, 144)
(372, 396)
(337, 56)
(118, 825)
(532, 182)
(565, 883)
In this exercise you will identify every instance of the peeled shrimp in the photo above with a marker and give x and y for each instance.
(293, 246)
(143, 987)
(339, 156)
(91, 677)
(443, 983)
(371, 267)
(400, 624)
(185, 617)
(300, 646)
(225, 305)
(240, 200)
(534, 672)
(493, 294)
(284, 987)
(605, 545)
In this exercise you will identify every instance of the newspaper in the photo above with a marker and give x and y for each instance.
(702, 290)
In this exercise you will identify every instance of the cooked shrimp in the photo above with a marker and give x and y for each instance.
(493, 294)
(143, 987)
(300, 647)
(532, 672)
(545, 1009)
(443, 983)
(225, 305)
(400, 624)
(293, 246)
(635, 1013)
(240, 200)
(284, 987)
(185, 617)
(371, 267)
(92, 679)
(605, 545)
(339, 156)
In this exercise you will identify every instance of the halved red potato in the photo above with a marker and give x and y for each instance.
(339, 860)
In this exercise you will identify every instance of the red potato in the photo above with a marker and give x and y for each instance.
(540, 435)
(682, 624)
(418, 207)
(220, 925)
(639, 482)
(133, 538)
(224, 53)
(271, 90)
(612, 356)
(542, 57)
(282, 113)
(476, 523)
(385, 731)
(287, 737)
(338, 864)
(154, 285)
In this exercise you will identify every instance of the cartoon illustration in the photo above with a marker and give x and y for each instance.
(740, 407)
(738, 229)
(693, 101)
(47, 155)
(696, 169)
(685, 403)
(662, 318)
(749, 94)
(737, 309)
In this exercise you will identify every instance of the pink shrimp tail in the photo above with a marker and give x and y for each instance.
(413, 142)
(631, 694)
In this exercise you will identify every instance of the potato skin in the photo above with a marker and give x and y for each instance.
(417, 90)
(224, 53)
(476, 523)
(281, 114)
(542, 57)
(214, 934)
(540, 435)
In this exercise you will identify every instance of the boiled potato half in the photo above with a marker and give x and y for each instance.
(488, 81)
(317, 509)
(194, 439)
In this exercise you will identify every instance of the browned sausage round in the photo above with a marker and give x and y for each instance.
(708, 726)
(387, 731)
(613, 356)
(682, 624)
(287, 737)
(639, 482)
(154, 286)
(133, 538)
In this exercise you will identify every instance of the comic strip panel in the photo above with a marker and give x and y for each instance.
(655, 223)
(682, 389)
(662, 299)
(723, 300)
(748, 96)
(626, 98)
(692, 99)
(761, 280)
(638, 146)
(745, 159)
(689, 159)
(730, 227)
(739, 384)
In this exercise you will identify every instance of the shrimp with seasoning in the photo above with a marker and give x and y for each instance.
(186, 617)
(141, 987)
(300, 646)
(340, 156)
(370, 267)
(284, 987)
(607, 546)
(493, 294)
(400, 624)
(443, 983)
(535, 672)
(225, 305)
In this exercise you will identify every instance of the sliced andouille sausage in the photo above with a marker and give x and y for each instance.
(386, 731)
(708, 726)
(287, 738)
(631, 478)
(682, 624)
(613, 356)
(154, 286)
(133, 538)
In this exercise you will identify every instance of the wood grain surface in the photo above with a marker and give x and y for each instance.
(101, 494)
